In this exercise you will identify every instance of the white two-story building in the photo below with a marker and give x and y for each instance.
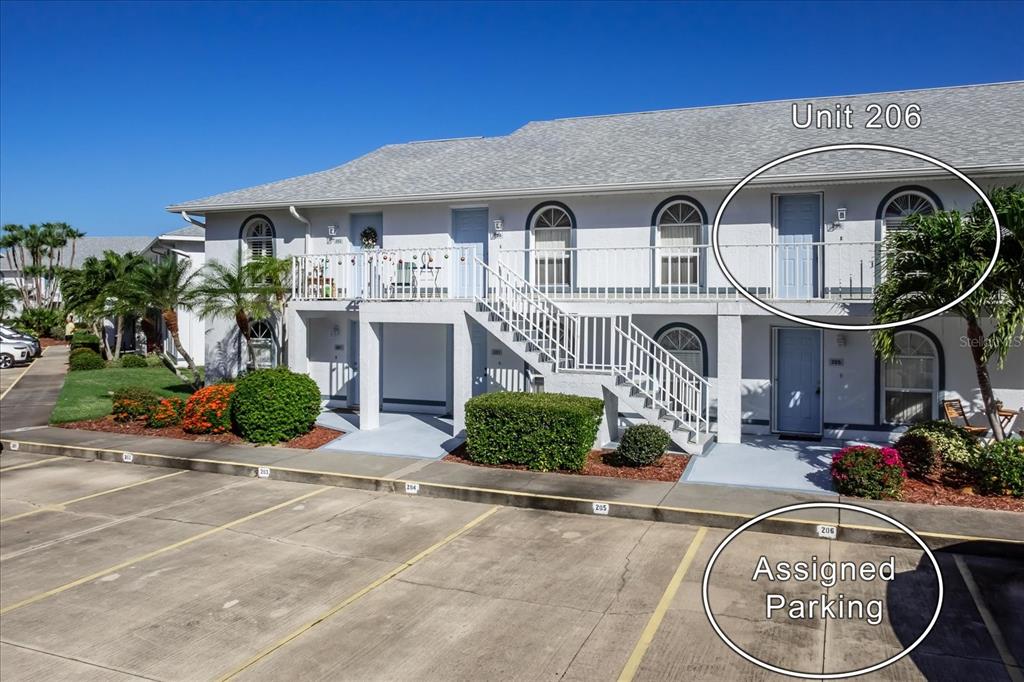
(573, 255)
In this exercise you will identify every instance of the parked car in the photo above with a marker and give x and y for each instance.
(13, 352)
(12, 335)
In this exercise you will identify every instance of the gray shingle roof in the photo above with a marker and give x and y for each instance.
(95, 246)
(969, 127)
(187, 231)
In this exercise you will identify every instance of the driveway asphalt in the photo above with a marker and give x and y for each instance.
(116, 571)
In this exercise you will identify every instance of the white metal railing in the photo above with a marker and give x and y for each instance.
(843, 270)
(528, 313)
(663, 378)
(388, 275)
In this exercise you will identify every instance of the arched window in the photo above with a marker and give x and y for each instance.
(551, 226)
(685, 344)
(679, 231)
(911, 379)
(257, 238)
(264, 344)
(903, 203)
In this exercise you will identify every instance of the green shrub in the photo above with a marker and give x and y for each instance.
(919, 453)
(85, 358)
(999, 468)
(85, 340)
(133, 362)
(642, 445)
(541, 430)
(168, 412)
(272, 405)
(39, 320)
(56, 332)
(208, 410)
(864, 471)
(951, 444)
(134, 402)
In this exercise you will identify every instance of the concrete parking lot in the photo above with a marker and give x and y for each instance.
(119, 571)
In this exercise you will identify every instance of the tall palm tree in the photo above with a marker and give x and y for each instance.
(8, 295)
(84, 293)
(939, 256)
(230, 290)
(122, 299)
(169, 286)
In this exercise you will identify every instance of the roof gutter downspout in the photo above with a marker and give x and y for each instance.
(298, 216)
(192, 221)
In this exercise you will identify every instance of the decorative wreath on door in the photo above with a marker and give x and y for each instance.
(368, 237)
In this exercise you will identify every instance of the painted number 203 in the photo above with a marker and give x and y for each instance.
(893, 116)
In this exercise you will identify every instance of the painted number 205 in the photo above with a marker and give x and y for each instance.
(893, 116)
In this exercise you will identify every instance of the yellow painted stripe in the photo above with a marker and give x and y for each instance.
(521, 494)
(1013, 669)
(59, 506)
(361, 593)
(32, 464)
(647, 636)
(16, 380)
(157, 552)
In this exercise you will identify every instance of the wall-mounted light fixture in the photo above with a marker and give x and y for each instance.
(840, 340)
(840, 218)
(499, 225)
(332, 232)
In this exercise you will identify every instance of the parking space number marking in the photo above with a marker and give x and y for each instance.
(601, 508)
(127, 457)
(827, 532)
(412, 488)
(263, 472)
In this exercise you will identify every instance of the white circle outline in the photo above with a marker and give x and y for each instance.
(715, 249)
(819, 505)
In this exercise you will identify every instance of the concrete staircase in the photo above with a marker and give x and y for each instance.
(628, 366)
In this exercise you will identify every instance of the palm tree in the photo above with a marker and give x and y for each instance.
(938, 257)
(8, 295)
(84, 294)
(231, 291)
(122, 297)
(272, 277)
(169, 286)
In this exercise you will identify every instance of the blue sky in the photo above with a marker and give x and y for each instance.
(109, 112)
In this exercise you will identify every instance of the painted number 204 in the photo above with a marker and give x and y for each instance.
(893, 116)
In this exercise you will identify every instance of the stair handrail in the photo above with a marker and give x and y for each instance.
(634, 341)
(557, 352)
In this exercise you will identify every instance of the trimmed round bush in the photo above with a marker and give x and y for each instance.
(84, 359)
(951, 445)
(208, 410)
(133, 362)
(134, 402)
(919, 454)
(999, 469)
(272, 405)
(642, 445)
(543, 431)
(872, 473)
(168, 412)
(85, 340)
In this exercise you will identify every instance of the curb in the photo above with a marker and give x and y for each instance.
(575, 505)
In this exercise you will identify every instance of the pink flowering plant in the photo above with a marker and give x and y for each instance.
(865, 471)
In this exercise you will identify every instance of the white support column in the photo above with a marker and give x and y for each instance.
(730, 375)
(609, 430)
(297, 350)
(369, 375)
(462, 372)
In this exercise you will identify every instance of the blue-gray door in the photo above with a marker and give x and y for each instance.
(359, 222)
(799, 227)
(797, 385)
(469, 230)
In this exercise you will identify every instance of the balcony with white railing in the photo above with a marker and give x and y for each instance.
(412, 274)
(837, 270)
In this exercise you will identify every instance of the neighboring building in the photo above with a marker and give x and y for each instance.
(573, 255)
(185, 243)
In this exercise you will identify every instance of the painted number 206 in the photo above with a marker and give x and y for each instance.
(893, 116)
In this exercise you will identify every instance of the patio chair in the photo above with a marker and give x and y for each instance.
(954, 411)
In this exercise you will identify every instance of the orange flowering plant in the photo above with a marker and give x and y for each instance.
(209, 410)
(168, 412)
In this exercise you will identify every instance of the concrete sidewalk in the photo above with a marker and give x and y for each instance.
(719, 506)
(31, 400)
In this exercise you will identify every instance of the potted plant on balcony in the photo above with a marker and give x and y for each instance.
(368, 237)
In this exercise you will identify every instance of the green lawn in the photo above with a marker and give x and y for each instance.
(86, 394)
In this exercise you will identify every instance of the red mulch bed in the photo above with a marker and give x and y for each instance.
(45, 342)
(320, 435)
(948, 488)
(668, 468)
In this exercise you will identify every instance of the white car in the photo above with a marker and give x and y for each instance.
(12, 352)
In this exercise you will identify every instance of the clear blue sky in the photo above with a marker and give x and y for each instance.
(109, 112)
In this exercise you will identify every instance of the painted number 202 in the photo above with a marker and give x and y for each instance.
(893, 116)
